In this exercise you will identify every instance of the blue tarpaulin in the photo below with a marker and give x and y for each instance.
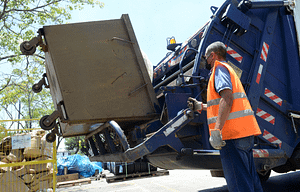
(78, 164)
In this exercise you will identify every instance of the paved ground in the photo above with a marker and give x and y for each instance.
(185, 181)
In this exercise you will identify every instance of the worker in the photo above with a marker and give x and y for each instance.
(231, 121)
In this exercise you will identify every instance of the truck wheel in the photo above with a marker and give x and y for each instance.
(50, 137)
(45, 127)
(264, 177)
(36, 88)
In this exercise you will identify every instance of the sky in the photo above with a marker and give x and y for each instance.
(153, 21)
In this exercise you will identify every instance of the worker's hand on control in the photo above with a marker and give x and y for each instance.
(215, 139)
(195, 105)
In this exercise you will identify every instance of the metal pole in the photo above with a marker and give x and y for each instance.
(19, 115)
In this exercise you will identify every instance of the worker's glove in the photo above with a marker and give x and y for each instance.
(195, 105)
(216, 139)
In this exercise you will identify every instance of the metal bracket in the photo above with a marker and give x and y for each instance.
(29, 47)
(189, 50)
(140, 87)
(37, 87)
(294, 115)
(120, 39)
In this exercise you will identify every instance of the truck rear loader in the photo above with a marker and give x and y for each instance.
(101, 88)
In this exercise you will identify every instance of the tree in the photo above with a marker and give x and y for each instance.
(19, 21)
(78, 144)
(19, 92)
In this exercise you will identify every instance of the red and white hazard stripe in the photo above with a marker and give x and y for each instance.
(234, 54)
(259, 73)
(260, 153)
(264, 52)
(266, 116)
(168, 58)
(273, 97)
(271, 138)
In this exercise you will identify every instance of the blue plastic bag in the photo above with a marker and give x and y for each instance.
(97, 165)
(77, 164)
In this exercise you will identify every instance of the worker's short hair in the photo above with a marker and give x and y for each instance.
(217, 47)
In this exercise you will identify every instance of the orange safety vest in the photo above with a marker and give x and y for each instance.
(241, 121)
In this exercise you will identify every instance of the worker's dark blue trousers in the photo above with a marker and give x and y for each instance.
(238, 165)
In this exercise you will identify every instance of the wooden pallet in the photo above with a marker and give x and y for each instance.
(67, 177)
(73, 183)
(115, 178)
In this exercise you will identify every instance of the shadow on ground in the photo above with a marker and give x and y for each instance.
(289, 182)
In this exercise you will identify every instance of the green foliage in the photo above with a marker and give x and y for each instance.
(77, 144)
(24, 75)
(19, 21)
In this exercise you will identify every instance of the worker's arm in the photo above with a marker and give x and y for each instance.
(224, 108)
(225, 104)
(222, 85)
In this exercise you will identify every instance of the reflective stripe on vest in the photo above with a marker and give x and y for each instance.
(232, 115)
(238, 95)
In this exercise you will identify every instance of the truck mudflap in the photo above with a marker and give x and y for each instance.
(111, 148)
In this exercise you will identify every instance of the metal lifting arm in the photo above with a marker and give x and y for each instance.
(164, 136)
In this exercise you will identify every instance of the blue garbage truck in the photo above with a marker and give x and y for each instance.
(102, 89)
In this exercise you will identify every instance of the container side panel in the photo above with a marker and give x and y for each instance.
(97, 71)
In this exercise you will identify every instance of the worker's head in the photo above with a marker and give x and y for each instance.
(215, 52)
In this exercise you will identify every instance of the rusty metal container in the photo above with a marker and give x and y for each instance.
(96, 73)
